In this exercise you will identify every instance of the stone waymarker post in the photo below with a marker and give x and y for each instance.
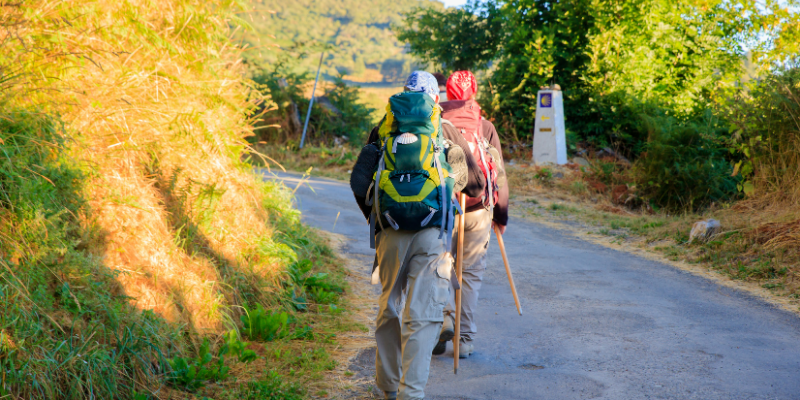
(549, 141)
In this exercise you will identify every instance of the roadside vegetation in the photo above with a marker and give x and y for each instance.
(675, 112)
(140, 257)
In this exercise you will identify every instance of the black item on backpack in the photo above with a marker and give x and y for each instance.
(364, 170)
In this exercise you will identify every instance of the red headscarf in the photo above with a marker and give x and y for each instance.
(461, 86)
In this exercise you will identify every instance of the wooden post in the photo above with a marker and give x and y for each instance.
(462, 200)
(508, 270)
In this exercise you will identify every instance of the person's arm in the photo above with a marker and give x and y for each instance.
(365, 209)
(500, 216)
(476, 182)
(373, 135)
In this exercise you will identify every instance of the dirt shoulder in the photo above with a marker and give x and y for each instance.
(354, 376)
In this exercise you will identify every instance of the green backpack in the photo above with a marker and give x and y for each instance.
(414, 189)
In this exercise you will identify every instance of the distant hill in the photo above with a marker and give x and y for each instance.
(365, 48)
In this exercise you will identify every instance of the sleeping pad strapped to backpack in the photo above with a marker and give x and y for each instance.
(465, 115)
(414, 189)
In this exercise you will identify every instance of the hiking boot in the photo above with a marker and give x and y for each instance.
(465, 348)
(391, 395)
(448, 331)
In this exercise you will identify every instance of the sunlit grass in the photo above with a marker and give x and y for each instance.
(130, 228)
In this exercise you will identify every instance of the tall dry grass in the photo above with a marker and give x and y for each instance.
(147, 103)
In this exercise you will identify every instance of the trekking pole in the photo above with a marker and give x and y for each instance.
(462, 200)
(508, 270)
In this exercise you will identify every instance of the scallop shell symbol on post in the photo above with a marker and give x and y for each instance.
(547, 100)
(407, 138)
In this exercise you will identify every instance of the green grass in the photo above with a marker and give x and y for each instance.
(63, 333)
(66, 327)
(272, 387)
(335, 163)
(116, 174)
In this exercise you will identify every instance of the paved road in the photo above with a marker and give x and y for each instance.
(598, 323)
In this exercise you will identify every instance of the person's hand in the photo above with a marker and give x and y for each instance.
(501, 228)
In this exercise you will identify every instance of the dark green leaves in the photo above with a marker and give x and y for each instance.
(454, 39)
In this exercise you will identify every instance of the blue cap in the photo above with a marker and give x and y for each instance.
(421, 81)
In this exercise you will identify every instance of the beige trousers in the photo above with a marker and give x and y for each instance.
(413, 266)
(477, 231)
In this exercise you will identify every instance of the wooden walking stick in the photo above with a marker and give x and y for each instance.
(508, 270)
(462, 200)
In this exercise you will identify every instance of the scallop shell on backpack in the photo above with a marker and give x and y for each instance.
(407, 138)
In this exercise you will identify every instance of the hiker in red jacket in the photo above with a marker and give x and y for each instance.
(491, 208)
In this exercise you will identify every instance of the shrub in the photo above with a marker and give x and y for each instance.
(766, 134)
(684, 166)
(606, 172)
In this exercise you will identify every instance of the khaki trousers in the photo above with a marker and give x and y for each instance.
(477, 231)
(412, 266)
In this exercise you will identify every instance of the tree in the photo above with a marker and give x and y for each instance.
(455, 39)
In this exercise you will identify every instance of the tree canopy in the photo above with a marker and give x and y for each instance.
(457, 39)
(356, 33)
(613, 59)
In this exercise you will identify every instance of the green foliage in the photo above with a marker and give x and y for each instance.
(614, 60)
(193, 373)
(766, 134)
(357, 32)
(685, 165)
(318, 285)
(611, 58)
(544, 175)
(340, 112)
(274, 387)
(354, 120)
(238, 348)
(456, 39)
(34, 177)
(266, 326)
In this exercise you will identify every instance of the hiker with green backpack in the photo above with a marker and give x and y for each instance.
(404, 181)
(484, 211)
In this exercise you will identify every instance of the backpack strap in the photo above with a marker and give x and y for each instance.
(372, 230)
(376, 209)
(445, 214)
(481, 151)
